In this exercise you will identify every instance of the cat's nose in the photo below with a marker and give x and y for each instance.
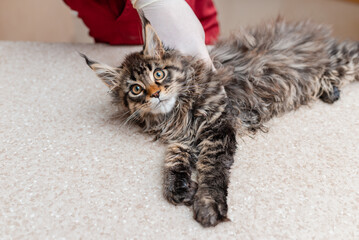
(156, 94)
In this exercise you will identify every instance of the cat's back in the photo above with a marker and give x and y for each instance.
(289, 44)
(276, 67)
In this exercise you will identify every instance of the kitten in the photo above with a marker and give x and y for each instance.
(261, 72)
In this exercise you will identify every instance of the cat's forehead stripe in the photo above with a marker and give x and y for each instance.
(172, 67)
(148, 80)
(149, 66)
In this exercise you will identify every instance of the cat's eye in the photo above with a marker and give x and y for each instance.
(159, 74)
(136, 89)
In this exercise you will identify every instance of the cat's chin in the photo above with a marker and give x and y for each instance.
(164, 106)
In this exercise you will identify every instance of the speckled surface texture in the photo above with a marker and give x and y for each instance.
(67, 171)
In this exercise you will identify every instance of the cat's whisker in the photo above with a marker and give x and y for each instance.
(133, 116)
(120, 115)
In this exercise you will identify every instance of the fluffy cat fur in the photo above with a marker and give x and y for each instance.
(260, 73)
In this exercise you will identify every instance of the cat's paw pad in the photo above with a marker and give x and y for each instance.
(179, 188)
(209, 212)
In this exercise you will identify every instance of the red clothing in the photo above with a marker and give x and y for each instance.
(117, 22)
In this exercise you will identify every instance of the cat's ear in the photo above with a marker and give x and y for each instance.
(152, 44)
(106, 73)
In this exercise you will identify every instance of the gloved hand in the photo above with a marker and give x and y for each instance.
(176, 25)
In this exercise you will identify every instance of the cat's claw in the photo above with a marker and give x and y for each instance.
(208, 211)
(180, 189)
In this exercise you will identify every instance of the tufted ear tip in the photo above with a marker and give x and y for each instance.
(89, 62)
(106, 73)
(152, 46)
(144, 20)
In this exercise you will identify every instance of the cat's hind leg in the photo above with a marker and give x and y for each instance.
(342, 68)
(332, 96)
(330, 83)
(178, 186)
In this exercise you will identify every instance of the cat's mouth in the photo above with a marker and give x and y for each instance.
(163, 105)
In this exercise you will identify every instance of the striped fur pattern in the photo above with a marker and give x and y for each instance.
(261, 73)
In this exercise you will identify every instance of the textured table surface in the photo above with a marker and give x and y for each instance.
(67, 171)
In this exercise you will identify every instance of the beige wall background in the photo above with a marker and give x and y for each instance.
(342, 15)
(53, 21)
(40, 20)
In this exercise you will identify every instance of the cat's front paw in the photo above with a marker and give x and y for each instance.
(210, 207)
(179, 188)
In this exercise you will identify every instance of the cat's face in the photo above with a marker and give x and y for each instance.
(151, 84)
(148, 81)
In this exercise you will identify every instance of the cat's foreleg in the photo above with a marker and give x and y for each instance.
(214, 161)
(177, 184)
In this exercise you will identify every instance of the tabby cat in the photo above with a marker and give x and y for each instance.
(260, 73)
